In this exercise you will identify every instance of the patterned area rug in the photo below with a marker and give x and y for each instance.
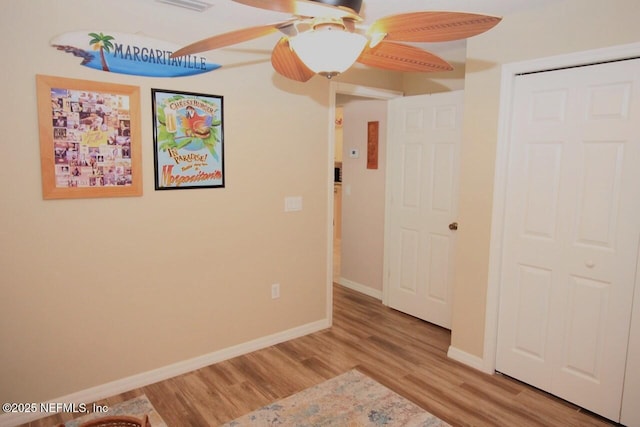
(349, 400)
(137, 407)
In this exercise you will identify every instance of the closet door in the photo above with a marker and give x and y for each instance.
(572, 232)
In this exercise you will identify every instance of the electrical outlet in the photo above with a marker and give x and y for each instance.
(275, 291)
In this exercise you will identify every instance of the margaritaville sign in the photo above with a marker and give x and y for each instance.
(130, 54)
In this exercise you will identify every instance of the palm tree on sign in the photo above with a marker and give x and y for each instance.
(102, 43)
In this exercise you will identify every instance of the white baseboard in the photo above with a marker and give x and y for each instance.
(145, 378)
(375, 293)
(467, 359)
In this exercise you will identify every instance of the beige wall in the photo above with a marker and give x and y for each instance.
(569, 26)
(96, 290)
(363, 197)
(421, 83)
(179, 274)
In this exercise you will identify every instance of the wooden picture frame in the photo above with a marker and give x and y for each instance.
(188, 140)
(372, 145)
(90, 138)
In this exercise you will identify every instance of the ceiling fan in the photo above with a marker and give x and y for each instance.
(327, 37)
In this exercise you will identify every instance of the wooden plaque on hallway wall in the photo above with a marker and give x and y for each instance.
(372, 145)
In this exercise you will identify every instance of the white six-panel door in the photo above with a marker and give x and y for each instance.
(572, 232)
(422, 196)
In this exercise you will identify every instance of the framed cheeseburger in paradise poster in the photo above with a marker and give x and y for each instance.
(188, 140)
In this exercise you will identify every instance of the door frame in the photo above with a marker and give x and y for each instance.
(336, 88)
(509, 74)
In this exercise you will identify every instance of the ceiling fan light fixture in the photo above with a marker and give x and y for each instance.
(328, 50)
(327, 37)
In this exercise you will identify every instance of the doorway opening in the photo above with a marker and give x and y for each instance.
(340, 93)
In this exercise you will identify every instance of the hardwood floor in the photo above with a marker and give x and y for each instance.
(399, 351)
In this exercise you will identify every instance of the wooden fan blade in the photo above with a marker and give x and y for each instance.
(433, 26)
(226, 39)
(402, 57)
(303, 8)
(286, 62)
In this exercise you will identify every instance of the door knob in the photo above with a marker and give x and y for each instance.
(453, 226)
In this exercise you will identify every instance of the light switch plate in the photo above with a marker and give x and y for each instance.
(292, 203)
(354, 153)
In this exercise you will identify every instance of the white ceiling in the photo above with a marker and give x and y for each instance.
(242, 15)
